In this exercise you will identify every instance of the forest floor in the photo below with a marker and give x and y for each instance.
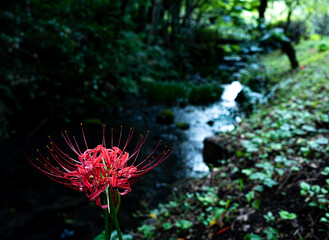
(275, 184)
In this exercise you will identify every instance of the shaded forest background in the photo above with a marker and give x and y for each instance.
(79, 59)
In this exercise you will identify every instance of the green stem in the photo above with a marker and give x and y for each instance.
(114, 216)
(107, 226)
(111, 225)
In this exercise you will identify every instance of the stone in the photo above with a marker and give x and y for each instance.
(214, 150)
(183, 125)
(166, 117)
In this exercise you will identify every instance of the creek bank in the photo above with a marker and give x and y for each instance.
(255, 187)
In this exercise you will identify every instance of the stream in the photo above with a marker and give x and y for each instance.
(203, 121)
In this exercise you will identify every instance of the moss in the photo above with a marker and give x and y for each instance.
(166, 117)
(168, 113)
(183, 125)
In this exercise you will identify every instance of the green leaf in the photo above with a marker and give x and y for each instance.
(269, 217)
(247, 171)
(259, 188)
(147, 230)
(167, 226)
(325, 171)
(114, 236)
(271, 233)
(257, 176)
(239, 153)
(305, 186)
(295, 168)
(218, 212)
(313, 204)
(280, 158)
(256, 203)
(249, 196)
(183, 224)
(316, 188)
(252, 236)
(287, 215)
(309, 128)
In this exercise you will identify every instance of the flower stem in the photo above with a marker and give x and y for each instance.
(107, 226)
(114, 216)
(108, 216)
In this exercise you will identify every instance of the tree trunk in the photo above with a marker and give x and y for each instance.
(288, 49)
(262, 8)
(175, 10)
(261, 11)
(155, 20)
(287, 25)
(186, 20)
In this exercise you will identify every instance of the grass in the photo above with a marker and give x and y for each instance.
(278, 65)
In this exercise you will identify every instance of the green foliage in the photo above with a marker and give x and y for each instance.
(252, 236)
(167, 226)
(173, 92)
(271, 233)
(146, 230)
(287, 215)
(274, 35)
(114, 236)
(72, 53)
(317, 195)
(269, 217)
(165, 92)
(249, 196)
(205, 94)
(183, 224)
(323, 47)
(190, 209)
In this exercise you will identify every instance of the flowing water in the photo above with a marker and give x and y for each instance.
(187, 160)
(203, 121)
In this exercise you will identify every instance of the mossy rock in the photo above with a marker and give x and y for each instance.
(183, 125)
(166, 117)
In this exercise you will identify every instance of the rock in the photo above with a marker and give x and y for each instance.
(247, 99)
(165, 117)
(183, 125)
(242, 97)
(211, 122)
(214, 150)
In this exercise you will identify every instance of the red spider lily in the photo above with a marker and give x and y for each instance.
(95, 170)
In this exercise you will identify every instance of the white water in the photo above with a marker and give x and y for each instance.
(190, 147)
